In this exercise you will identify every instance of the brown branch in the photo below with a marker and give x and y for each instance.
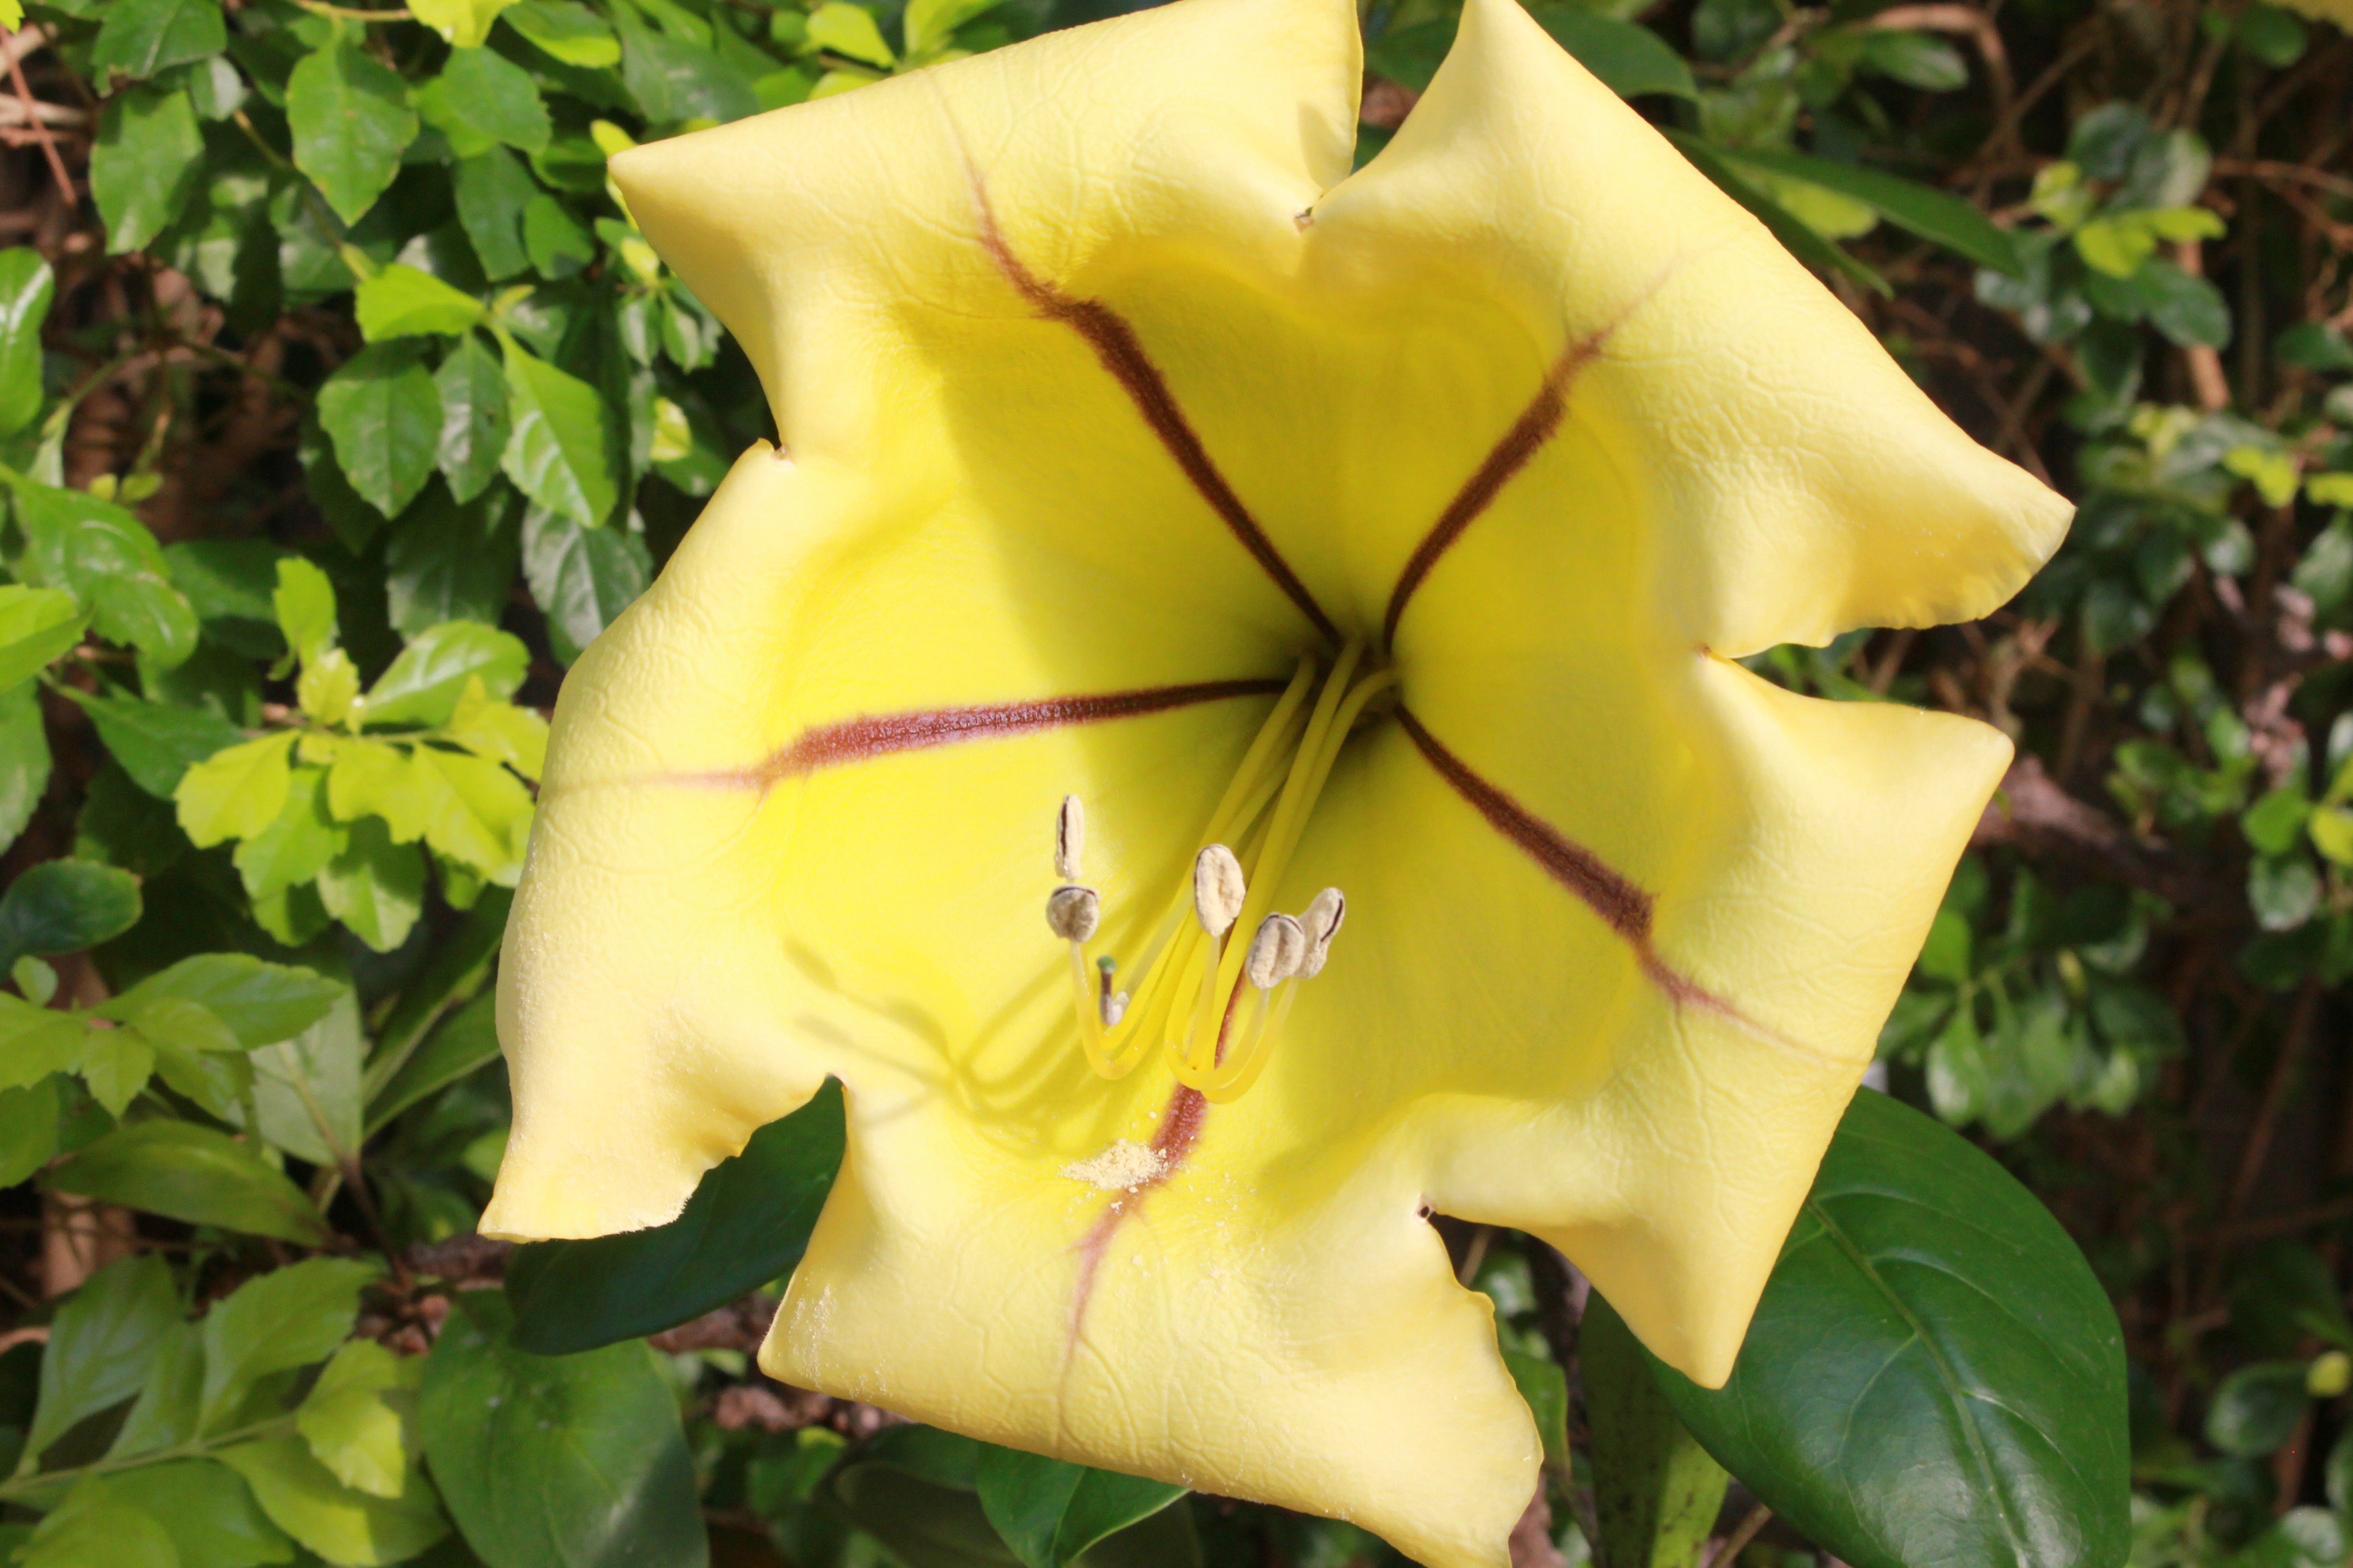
(2031, 814)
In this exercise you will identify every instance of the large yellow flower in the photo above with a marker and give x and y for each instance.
(1396, 529)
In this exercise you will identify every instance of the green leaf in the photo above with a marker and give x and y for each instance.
(214, 1519)
(107, 557)
(1935, 216)
(577, 1460)
(185, 1172)
(382, 412)
(276, 1321)
(1049, 1510)
(1544, 1386)
(155, 743)
(304, 605)
(1800, 239)
(474, 423)
(451, 562)
(29, 1129)
(463, 23)
(849, 30)
(466, 1042)
(342, 1524)
(570, 32)
(35, 1041)
(458, 969)
(2257, 1409)
(404, 302)
(930, 25)
(24, 759)
(164, 1414)
(499, 731)
(306, 1090)
(99, 1346)
(1916, 60)
(257, 1002)
(116, 1065)
(1655, 1490)
(560, 453)
(148, 160)
(294, 847)
(140, 37)
(479, 814)
(65, 906)
(492, 190)
(350, 122)
(230, 582)
(422, 686)
(1630, 58)
(674, 79)
(37, 625)
(581, 578)
(26, 289)
(376, 888)
(360, 1417)
(238, 792)
(481, 99)
(558, 245)
(101, 1524)
(1933, 1375)
(747, 1223)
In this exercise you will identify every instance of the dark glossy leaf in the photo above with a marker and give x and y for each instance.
(185, 1172)
(350, 122)
(465, 1042)
(456, 970)
(474, 421)
(492, 189)
(140, 37)
(747, 1223)
(1935, 216)
(481, 99)
(559, 451)
(382, 412)
(451, 562)
(25, 758)
(65, 906)
(673, 79)
(582, 578)
(1629, 57)
(1934, 1378)
(557, 1462)
(25, 286)
(148, 160)
(2257, 1409)
(154, 741)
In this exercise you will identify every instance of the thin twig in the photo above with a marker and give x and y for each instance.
(1744, 1533)
(40, 128)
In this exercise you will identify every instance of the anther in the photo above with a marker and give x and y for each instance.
(1275, 952)
(1070, 837)
(1072, 913)
(1218, 889)
(1321, 920)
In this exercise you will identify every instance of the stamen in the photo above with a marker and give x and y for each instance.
(1275, 952)
(1322, 921)
(1072, 913)
(1070, 837)
(1112, 1004)
(1218, 889)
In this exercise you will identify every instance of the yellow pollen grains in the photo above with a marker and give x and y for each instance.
(1217, 1004)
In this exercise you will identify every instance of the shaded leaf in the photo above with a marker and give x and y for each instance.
(140, 37)
(148, 160)
(105, 555)
(65, 906)
(577, 1461)
(747, 1223)
(276, 1321)
(382, 412)
(99, 1346)
(185, 1172)
(351, 120)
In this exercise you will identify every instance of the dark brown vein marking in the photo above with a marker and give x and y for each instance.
(875, 735)
(1529, 432)
(1624, 907)
(1121, 352)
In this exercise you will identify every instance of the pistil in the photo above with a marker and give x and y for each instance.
(1217, 1005)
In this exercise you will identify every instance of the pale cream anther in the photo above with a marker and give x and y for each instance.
(1072, 913)
(1070, 837)
(1275, 952)
(1218, 889)
(1321, 920)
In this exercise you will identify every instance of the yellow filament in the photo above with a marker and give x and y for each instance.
(1115, 1053)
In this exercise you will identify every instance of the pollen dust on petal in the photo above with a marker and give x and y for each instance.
(1122, 1168)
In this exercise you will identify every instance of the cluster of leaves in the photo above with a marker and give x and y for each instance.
(342, 405)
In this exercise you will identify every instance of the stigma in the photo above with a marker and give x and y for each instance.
(1220, 967)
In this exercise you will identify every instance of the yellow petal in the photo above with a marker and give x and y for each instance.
(1790, 480)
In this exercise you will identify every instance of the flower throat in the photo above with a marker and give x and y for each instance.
(1219, 1003)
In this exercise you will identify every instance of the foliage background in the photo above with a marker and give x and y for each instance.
(341, 405)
